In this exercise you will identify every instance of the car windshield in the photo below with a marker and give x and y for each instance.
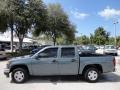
(110, 47)
(80, 48)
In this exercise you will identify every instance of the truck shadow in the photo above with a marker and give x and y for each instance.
(109, 77)
(55, 79)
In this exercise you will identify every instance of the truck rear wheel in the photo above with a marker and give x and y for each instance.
(91, 75)
(19, 75)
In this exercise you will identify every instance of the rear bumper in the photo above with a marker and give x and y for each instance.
(6, 72)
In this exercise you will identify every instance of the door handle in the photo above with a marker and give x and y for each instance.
(73, 60)
(54, 61)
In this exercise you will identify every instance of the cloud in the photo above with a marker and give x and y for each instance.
(79, 15)
(109, 13)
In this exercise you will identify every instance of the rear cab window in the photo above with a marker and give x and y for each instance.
(67, 52)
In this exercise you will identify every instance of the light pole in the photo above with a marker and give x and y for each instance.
(115, 23)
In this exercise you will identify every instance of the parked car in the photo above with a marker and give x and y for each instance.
(110, 49)
(28, 48)
(2, 47)
(8, 48)
(89, 49)
(59, 60)
(2, 53)
(83, 50)
(118, 51)
(38, 48)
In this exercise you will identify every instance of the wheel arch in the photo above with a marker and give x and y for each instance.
(23, 66)
(97, 66)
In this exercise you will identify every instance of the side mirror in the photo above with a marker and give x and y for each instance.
(36, 57)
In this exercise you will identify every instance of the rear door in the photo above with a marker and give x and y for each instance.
(68, 62)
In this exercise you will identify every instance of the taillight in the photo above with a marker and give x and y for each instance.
(114, 62)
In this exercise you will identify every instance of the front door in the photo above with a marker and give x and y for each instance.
(68, 62)
(46, 63)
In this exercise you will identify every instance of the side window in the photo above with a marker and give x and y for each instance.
(68, 52)
(48, 53)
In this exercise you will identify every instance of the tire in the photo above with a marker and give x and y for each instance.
(19, 75)
(92, 75)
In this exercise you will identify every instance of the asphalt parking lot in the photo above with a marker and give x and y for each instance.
(108, 81)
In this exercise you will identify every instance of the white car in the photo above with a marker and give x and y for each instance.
(110, 49)
(87, 49)
(118, 51)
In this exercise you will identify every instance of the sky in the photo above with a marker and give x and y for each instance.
(87, 15)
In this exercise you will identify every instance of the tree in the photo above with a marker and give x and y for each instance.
(91, 39)
(58, 24)
(100, 36)
(118, 40)
(31, 15)
(69, 36)
(82, 40)
(111, 41)
(3, 25)
(24, 15)
(85, 40)
(7, 15)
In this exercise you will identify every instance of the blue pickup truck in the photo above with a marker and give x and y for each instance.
(59, 60)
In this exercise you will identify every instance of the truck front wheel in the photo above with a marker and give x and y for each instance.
(91, 75)
(19, 75)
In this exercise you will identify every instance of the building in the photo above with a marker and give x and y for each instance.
(5, 38)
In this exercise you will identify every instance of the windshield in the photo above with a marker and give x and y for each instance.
(109, 47)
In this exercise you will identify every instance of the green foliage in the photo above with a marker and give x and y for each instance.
(3, 19)
(58, 24)
(84, 40)
(112, 40)
(22, 16)
(118, 40)
(3, 24)
(100, 36)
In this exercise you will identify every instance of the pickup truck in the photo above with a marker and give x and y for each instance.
(59, 60)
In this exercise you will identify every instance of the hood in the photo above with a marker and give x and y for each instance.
(20, 58)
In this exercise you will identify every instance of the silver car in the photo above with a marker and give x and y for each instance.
(110, 49)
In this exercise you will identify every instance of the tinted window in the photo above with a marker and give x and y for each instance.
(51, 52)
(68, 52)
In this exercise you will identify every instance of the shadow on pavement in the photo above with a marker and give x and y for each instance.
(55, 79)
(105, 78)
(110, 77)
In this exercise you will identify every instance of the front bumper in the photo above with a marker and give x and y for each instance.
(6, 72)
